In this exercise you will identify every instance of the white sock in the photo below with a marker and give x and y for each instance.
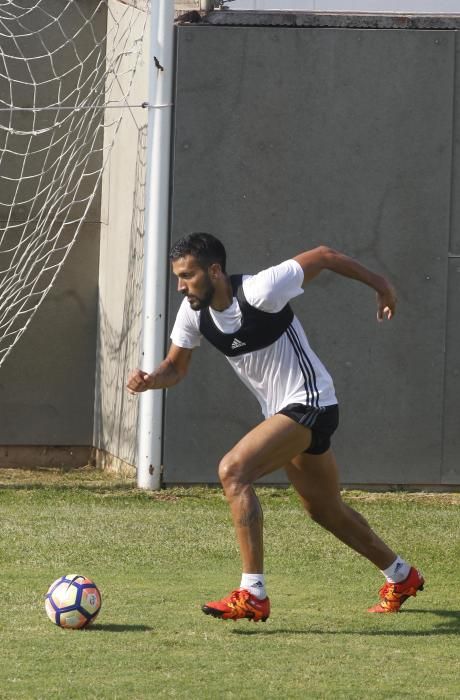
(255, 584)
(397, 572)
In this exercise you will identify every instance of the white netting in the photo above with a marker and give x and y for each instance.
(66, 71)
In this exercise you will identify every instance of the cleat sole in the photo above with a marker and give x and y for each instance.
(214, 613)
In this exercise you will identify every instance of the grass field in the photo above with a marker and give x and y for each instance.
(158, 557)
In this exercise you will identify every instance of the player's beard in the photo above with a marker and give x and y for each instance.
(204, 300)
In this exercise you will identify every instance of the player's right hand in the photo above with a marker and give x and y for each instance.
(138, 381)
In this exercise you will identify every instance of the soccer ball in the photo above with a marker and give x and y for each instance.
(72, 601)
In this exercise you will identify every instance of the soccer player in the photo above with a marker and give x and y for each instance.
(248, 318)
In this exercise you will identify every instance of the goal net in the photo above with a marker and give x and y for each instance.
(66, 72)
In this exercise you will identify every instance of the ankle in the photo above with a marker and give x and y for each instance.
(397, 571)
(255, 584)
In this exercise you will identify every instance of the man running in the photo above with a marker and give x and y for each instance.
(248, 318)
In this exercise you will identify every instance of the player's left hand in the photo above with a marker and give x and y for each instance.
(386, 302)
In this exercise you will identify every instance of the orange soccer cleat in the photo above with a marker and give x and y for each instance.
(393, 595)
(238, 605)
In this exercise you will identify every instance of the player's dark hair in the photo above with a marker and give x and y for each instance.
(207, 249)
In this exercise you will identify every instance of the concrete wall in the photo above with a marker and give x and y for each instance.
(121, 262)
(284, 138)
(288, 138)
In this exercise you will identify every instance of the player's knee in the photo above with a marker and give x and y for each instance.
(231, 473)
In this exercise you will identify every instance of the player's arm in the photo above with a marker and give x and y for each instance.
(314, 261)
(168, 373)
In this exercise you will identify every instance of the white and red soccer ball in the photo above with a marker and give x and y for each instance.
(72, 601)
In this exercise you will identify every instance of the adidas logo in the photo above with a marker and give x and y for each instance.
(237, 344)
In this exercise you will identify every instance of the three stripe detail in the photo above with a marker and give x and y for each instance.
(307, 370)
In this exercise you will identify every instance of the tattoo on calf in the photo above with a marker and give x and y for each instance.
(250, 516)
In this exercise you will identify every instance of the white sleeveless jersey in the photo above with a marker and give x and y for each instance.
(286, 372)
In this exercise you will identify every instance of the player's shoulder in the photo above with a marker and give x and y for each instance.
(277, 281)
(187, 314)
(269, 278)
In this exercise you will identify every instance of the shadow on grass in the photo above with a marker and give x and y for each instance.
(112, 627)
(449, 625)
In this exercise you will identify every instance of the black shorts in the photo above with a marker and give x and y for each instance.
(322, 422)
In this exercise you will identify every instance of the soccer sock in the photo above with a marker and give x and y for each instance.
(397, 572)
(255, 584)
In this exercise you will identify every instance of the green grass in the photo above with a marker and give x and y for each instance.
(158, 557)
